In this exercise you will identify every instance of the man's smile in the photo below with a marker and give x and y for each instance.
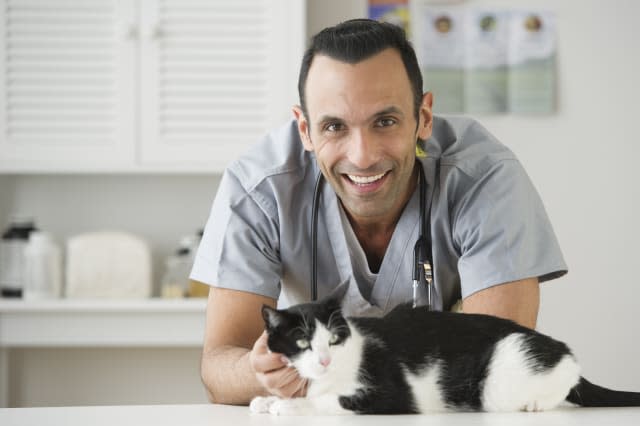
(362, 180)
(366, 184)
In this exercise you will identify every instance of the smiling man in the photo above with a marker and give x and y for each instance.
(362, 119)
(363, 127)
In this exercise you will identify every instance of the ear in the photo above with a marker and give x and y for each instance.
(272, 318)
(425, 127)
(303, 127)
(336, 297)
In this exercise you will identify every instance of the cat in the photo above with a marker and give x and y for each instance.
(415, 361)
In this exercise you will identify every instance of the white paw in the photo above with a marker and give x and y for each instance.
(533, 406)
(290, 407)
(261, 404)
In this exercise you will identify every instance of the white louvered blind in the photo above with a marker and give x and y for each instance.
(143, 85)
(217, 68)
(64, 81)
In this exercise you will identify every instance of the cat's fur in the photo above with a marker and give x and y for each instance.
(416, 361)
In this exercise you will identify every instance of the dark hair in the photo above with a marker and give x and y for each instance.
(356, 40)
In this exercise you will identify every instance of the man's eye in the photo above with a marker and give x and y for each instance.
(385, 122)
(302, 343)
(334, 127)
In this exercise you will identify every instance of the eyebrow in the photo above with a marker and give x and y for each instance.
(389, 110)
(386, 111)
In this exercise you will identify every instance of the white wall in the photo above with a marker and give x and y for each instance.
(583, 161)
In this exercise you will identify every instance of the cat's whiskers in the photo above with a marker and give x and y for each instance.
(305, 323)
(331, 317)
(302, 328)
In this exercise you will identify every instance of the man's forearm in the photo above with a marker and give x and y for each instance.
(228, 376)
(518, 301)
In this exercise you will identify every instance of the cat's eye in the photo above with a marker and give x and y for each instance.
(333, 339)
(302, 343)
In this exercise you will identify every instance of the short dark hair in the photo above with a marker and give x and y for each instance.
(356, 40)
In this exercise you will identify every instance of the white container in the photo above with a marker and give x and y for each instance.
(42, 267)
(175, 280)
(107, 265)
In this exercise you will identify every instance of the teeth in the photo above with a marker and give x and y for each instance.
(365, 179)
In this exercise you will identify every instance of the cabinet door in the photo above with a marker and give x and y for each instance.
(66, 85)
(215, 77)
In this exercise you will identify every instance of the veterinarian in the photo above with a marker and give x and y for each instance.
(366, 125)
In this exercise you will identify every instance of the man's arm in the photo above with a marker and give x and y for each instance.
(518, 301)
(236, 365)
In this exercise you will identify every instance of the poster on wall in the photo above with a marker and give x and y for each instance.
(392, 11)
(532, 62)
(485, 60)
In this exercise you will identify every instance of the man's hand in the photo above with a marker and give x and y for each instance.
(272, 371)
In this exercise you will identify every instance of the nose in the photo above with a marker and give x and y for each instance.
(361, 150)
(325, 361)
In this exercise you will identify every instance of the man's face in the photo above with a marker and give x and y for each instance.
(362, 127)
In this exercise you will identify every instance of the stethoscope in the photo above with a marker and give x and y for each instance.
(422, 250)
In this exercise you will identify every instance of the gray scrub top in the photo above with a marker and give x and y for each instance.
(488, 224)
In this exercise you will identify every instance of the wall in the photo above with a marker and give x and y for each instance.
(581, 160)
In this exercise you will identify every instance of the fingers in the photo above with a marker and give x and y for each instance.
(262, 360)
(272, 372)
(285, 382)
(302, 389)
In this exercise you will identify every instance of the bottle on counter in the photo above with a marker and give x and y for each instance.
(43, 267)
(12, 245)
(175, 281)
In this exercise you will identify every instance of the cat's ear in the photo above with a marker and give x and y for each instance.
(337, 295)
(272, 318)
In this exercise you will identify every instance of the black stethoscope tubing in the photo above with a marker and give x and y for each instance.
(422, 252)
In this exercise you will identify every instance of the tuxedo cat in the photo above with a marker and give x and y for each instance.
(416, 361)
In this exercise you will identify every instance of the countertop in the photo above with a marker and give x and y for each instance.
(194, 415)
(130, 323)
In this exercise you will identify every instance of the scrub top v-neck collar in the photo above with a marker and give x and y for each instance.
(390, 275)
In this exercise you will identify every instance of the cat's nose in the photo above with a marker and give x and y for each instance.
(325, 361)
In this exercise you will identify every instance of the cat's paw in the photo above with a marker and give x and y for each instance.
(261, 404)
(290, 407)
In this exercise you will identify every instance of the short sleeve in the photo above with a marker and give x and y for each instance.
(502, 231)
(240, 245)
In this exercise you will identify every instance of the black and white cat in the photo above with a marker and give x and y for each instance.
(415, 361)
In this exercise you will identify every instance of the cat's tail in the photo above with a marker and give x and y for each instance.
(586, 394)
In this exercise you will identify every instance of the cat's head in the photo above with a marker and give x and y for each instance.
(310, 335)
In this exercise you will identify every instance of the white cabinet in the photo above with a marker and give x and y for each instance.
(146, 85)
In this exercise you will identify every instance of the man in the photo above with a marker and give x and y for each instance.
(362, 118)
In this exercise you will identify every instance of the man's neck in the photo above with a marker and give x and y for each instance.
(369, 225)
(374, 240)
(374, 234)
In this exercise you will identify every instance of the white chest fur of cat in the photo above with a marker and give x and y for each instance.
(417, 361)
